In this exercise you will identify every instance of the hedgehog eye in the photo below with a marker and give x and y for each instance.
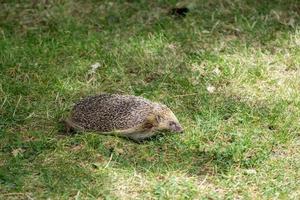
(172, 123)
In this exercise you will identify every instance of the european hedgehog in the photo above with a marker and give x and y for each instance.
(129, 116)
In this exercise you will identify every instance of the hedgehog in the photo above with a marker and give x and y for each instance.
(127, 116)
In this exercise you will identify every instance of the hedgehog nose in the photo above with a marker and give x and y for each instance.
(179, 129)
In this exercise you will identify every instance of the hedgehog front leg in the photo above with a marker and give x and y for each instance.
(139, 132)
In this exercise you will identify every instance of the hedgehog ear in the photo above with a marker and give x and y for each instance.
(158, 118)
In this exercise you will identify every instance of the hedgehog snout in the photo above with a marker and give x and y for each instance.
(176, 127)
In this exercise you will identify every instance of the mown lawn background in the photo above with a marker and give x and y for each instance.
(230, 70)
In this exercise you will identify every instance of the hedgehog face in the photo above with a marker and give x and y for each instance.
(168, 121)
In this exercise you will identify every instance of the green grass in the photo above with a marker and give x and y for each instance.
(229, 70)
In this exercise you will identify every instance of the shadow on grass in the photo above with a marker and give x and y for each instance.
(64, 163)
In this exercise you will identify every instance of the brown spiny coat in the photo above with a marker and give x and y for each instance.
(124, 115)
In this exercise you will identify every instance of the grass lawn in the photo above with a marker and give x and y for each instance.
(230, 71)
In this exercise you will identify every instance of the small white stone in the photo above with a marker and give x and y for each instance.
(216, 71)
(211, 89)
(94, 67)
